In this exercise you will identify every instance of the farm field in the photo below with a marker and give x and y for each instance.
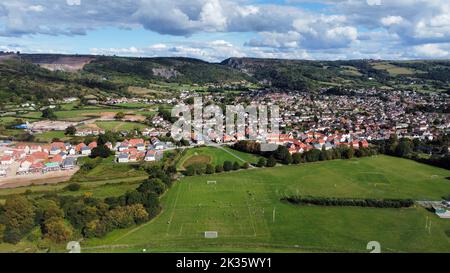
(245, 208)
(50, 135)
(395, 70)
(106, 169)
(119, 125)
(214, 156)
(81, 114)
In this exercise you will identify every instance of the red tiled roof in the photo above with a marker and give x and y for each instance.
(135, 141)
(40, 155)
(92, 145)
(5, 158)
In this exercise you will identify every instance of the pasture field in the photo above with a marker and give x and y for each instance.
(245, 208)
(119, 125)
(132, 105)
(214, 156)
(106, 169)
(394, 70)
(50, 135)
(69, 113)
(109, 189)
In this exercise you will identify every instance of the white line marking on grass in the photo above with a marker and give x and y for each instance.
(251, 219)
(173, 209)
(181, 230)
(273, 215)
(236, 156)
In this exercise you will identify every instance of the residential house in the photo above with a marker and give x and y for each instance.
(69, 163)
(122, 158)
(86, 151)
(6, 160)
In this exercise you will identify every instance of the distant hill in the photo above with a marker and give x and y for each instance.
(21, 80)
(40, 76)
(431, 75)
(181, 70)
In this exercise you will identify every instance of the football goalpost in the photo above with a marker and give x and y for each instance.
(211, 234)
(211, 182)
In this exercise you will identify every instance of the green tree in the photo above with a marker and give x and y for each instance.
(348, 153)
(138, 212)
(120, 217)
(287, 159)
(236, 166)
(297, 158)
(57, 230)
(282, 154)
(119, 116)
(190, 170)
(245, 166)
(71, 130)
(404, 148)
(210, 169)
(2, 232)
(96, 228)
(101, 151)
(312, 155)
(392, 143)
(219, 168)
(49, 114)
(155, 185)
(18, 217)
(261, 162)
(271, 162)
(73, 187)
(227, 166)
(106, 137)
(46, 208)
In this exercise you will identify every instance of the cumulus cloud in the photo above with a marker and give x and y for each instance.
(391, 20)
(311, 32)
(214, 51)
(73, 2)
(347, 29)
(432, 51)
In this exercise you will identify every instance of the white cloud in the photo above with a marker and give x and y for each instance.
(391, 20)
(351, 28)
(36, 8)
(213, 51)
(158, 46)
(431, 51)
(73, 2)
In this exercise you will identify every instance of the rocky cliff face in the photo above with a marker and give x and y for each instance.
(59, 62)
(53, 62)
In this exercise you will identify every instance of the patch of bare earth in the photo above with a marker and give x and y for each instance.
(37, 179)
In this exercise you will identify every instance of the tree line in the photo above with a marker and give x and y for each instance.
(434, 152)
(349, 202)
(61, 218)
(283, 156)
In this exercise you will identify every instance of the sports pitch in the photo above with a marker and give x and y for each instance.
(214, 156)
(244, 208)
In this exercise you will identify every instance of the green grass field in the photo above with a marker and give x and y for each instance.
(119, 125)
(395, 70)
(107, 169)
(132, 105)
(214, 156)
(77, 114)
(245, 208)
(50, 135)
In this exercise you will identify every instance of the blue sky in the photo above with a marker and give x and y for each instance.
(217, 29)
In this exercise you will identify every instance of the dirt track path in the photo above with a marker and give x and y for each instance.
(36, 179)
